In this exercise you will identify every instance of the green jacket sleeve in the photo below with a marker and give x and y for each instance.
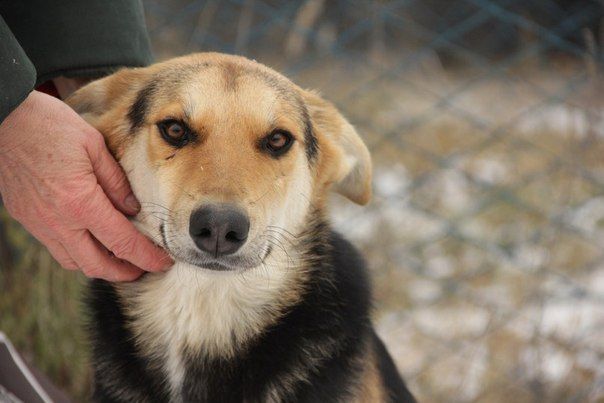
(72, 38)
(17, 73)
(79, 37)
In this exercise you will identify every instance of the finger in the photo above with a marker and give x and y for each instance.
(60, 254)
(111, 177)
(122, 238)
(96, 261)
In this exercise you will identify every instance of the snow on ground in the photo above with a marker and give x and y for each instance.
(525, 316)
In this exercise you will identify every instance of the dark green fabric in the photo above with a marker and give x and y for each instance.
(17, 73)
(73, 38)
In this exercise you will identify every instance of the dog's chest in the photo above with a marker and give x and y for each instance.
(190, 312)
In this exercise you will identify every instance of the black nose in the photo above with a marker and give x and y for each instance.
(219, 229)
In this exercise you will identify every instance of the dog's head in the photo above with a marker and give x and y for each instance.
(224, 154)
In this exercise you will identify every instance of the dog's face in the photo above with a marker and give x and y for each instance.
(225, 155)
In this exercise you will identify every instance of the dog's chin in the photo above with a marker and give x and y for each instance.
(222, 264)
(215, 266)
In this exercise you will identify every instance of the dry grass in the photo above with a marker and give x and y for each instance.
(41, 310)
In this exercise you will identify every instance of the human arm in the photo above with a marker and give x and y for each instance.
(59, 180)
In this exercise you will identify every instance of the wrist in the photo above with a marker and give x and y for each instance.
(9, 121)
(28, 110)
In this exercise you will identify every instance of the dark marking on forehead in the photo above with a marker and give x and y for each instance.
(310, 140)
(140, 107)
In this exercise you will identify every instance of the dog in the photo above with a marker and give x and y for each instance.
(233, 164)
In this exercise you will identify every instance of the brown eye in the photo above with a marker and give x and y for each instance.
(277, 142)
(174, 132)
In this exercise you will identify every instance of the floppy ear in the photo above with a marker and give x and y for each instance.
(105, 103)
(100, 96)
(346, 160)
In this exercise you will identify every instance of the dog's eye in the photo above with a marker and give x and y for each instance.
(277, 142)
(174, 132)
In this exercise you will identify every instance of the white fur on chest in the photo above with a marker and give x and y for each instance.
(211, 313)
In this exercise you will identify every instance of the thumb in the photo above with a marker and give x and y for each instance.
(111, 177)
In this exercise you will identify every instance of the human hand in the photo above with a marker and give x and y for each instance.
(58, 179)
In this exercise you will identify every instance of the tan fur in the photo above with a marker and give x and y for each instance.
(231, 103)
(346, 162)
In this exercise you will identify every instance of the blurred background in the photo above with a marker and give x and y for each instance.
(485, 237)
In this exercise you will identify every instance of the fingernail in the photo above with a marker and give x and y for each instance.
(132, 203)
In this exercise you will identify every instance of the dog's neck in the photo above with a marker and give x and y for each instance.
(194, 309)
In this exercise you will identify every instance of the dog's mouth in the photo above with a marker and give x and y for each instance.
(203, 260)
(226, 263)
(217, 266)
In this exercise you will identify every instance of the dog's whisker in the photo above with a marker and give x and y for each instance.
(282, 229)
(149, 203)
(290, 260)
(280, 237)
(277, 243)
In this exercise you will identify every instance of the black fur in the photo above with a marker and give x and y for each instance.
(312, 145)
(333, 314)
(394, 384)
(138, 110)
(113, 344)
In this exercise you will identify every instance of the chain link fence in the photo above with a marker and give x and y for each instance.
(485, 122)
(485, 237)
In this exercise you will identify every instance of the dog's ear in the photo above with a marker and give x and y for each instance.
(106, 103)
(102, 96)
(345, 160)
